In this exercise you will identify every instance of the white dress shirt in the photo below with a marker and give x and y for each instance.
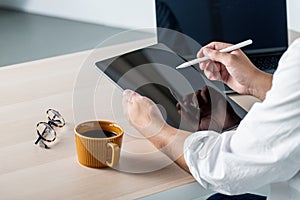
(265, 148)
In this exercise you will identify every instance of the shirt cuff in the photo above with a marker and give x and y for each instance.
(200, 150)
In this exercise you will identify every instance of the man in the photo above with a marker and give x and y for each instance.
(265, 148)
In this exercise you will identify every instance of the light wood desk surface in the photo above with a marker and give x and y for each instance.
(30, 172)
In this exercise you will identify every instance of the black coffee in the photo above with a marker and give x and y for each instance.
(99, 134)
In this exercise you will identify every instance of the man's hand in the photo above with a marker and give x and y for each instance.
(145, 116)
(235, 70)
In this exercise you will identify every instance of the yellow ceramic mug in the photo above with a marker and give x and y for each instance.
(98, 143)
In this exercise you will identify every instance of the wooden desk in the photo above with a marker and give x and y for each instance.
(30, 172)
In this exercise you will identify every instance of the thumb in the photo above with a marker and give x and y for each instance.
(215, 55)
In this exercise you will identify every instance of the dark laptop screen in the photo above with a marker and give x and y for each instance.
(263, 21)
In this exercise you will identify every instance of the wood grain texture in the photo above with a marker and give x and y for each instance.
(30, 172)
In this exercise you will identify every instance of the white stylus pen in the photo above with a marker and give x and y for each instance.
(226, 50)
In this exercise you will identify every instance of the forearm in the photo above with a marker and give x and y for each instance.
(261, 84)
(171, 142)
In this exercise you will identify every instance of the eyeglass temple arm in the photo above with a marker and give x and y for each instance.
(41, 141)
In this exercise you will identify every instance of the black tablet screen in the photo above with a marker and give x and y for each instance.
(186, 97)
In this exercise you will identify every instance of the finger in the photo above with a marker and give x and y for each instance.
(127, 95)
(126, 101)
(213, 45)
(135, 96)
(208, 74)
(130, 95)
(204, 64)
(215, 69)
(141, 100)
(217, 45)
(200, 53)
(224, 58)
(214, 76)
(209, 67)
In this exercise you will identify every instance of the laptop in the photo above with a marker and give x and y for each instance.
(151, 72)
(232, 21)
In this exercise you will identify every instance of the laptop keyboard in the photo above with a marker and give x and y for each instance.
(266, 63)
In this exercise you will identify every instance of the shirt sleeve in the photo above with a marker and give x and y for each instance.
(264, 149)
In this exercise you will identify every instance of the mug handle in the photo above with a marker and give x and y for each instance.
(115, 155)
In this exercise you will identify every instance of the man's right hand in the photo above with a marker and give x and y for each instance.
(235, 70)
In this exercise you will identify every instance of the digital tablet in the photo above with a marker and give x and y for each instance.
(186, 98)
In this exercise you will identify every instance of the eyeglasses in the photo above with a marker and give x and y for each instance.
(46, 131)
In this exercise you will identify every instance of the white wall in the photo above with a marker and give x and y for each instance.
(121, 13)
(293, 8)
